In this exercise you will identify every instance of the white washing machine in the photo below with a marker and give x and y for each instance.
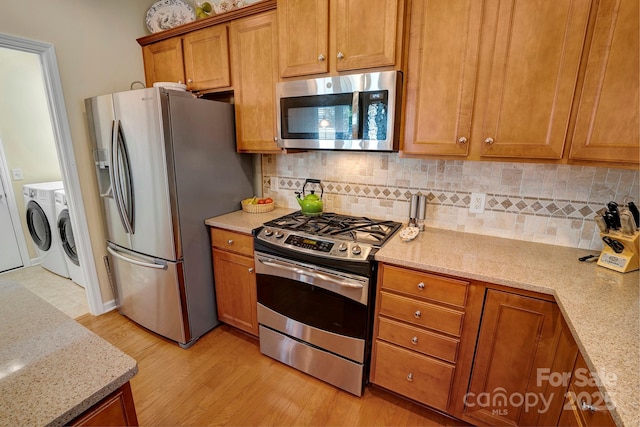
(67, 241)
(39, 200)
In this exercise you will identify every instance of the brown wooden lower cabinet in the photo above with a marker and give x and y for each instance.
(117, 409)
(506, 361)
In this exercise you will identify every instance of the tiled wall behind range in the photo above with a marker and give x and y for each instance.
(544, 203)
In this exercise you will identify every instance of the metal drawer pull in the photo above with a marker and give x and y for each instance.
(414, 340)
(340, 55)
(321, 57)
(462, 140)
(250, 269)
(417, 314)
(410, 377)
(586, 407)
(421, 286)
(230, 242)
(489, 140)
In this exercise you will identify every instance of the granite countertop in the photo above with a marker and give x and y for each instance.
(51, 368)
(600, 306)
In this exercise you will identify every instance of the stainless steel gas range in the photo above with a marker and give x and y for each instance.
(316, 287)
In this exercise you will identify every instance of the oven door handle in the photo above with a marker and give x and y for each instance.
(321, 276)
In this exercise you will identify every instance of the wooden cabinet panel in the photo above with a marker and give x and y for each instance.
(254, 42)
(517, 337)
(419, 340)
(425, 285)
(421, 313)
(232, 241)
(608, 119)
(163, 61)
(117, 409)
(537, 48)
(441, 76)
(303, 34)
(206, 58)
(366, 33)
(584, 404)
(235, 290)
(421, 378)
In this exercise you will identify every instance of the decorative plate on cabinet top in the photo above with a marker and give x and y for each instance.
(165, 14)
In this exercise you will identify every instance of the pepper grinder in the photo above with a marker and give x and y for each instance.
(413, 211)
(422, 209)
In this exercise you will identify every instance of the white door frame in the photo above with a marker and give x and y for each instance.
(66, 157)
(13, 209)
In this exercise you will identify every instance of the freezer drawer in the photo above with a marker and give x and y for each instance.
(148, 291)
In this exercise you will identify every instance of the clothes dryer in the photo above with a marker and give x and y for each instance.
(67, 240)
(40, 207)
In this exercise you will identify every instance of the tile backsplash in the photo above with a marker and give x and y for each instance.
(544, 203)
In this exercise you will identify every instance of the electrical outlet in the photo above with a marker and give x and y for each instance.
(477, 202)
(274, 183)
(16, 174)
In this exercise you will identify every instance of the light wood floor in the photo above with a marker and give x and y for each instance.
(224, 380)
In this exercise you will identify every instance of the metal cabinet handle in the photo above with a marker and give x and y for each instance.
(189, 81)
(321, 57)
(417, 314)
(421, 286)
(340, 55)
(410, 377)
(489, 140)
(462, 140)
(587, 407)
(250, 269)
(230, 242)
(414, 340)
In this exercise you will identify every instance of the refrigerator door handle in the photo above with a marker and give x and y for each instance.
(119, 151)
(160, 265)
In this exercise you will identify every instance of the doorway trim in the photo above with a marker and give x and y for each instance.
(66, 157)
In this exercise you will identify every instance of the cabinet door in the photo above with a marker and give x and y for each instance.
(206, 58)
(366, 32)
(303, 34)
(518, 336)
(536, 50)
(254, 43)
(236, 290)
(441, 76)
(608, 123)
(163, 61)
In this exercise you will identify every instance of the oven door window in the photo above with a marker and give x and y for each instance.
(313, 306)
(323, 117)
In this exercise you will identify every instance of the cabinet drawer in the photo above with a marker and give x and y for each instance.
(417, 339)
(424, 285)
(232, 241)
(421, 313)
(421, 378)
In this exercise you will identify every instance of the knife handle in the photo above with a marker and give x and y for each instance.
(634, 211)
(600, 222)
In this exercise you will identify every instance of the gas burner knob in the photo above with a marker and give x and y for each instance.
(268, 232)
(343, 247)
(356, 250)
(279, 234)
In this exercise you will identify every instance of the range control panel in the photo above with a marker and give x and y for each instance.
(333, 248)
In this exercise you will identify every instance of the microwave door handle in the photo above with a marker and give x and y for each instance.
(355, 113)
(342, 282)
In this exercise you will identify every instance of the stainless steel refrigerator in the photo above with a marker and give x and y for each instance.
(165, 162)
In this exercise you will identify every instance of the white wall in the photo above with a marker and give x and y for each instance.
(25, 126)
(97, 53)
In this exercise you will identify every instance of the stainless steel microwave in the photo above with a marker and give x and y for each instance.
(359, 112)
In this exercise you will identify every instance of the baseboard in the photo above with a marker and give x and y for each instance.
(109, 306)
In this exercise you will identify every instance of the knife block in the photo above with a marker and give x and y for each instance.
(628, 259)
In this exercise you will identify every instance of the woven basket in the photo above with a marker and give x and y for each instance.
(251, 208)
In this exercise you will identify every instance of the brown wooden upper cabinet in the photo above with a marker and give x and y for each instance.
(608, 119)
(254, 44)
(320, 36)
(200, 59)
(492, 79)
